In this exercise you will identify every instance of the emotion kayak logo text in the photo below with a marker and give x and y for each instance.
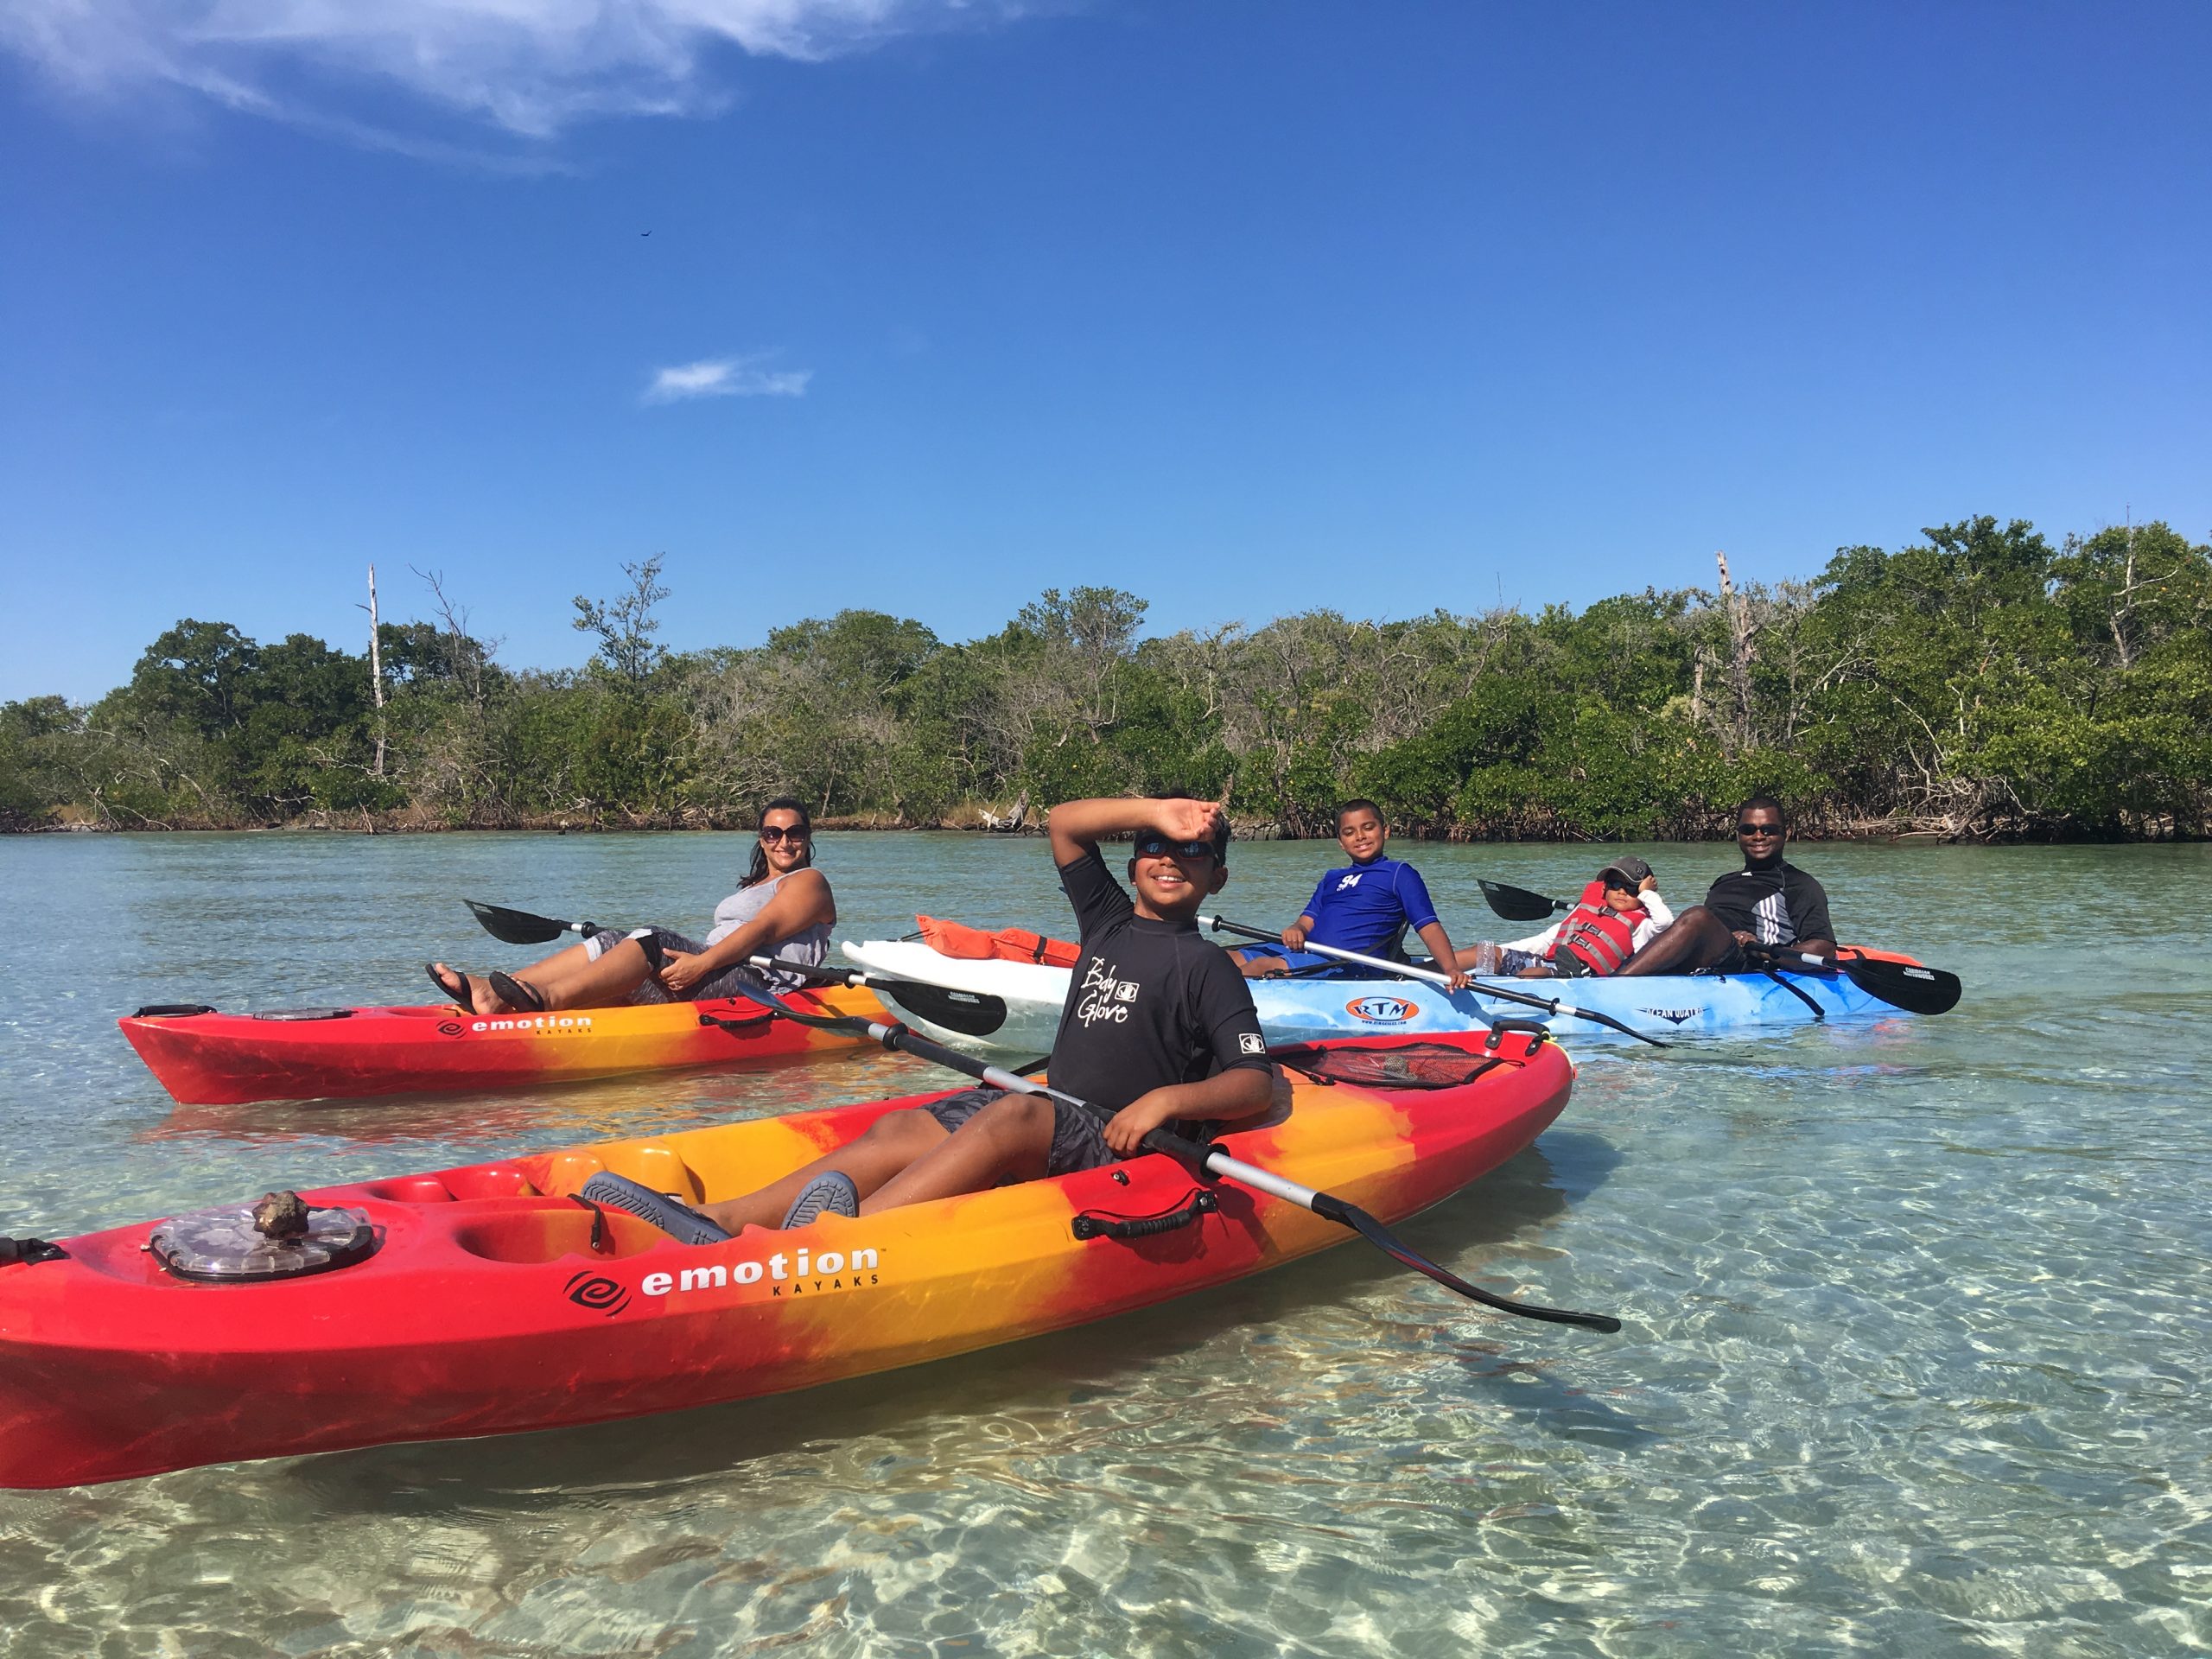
(1381, 1010)
(786, 1273)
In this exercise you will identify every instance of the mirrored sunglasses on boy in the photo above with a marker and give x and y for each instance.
(1154, 846)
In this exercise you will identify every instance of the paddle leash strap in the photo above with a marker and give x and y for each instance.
(1550, 1004)
(1207, 1160)
(1819, 1013)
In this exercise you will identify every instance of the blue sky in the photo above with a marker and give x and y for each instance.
(1247, 307)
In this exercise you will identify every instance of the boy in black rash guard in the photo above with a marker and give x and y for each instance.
(1159, 1028)
(1768, 901)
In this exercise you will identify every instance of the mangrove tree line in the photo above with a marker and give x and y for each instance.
(1982, 683)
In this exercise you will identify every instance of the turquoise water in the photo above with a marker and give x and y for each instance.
(1915, 1319)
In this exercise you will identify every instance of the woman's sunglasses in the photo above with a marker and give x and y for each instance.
(772, 833)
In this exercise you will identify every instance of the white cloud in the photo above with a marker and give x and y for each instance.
(529, 67)
(726, 377)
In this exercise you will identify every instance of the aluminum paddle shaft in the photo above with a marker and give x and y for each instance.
(1550, 1004)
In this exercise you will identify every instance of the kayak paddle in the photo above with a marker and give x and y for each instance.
(1550, 1004)
(1901, 984)
(520, 927)
(1207, 1160)
(970, 1013)
(1518, 904)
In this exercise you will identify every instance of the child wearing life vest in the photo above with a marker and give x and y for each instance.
(1618, 914)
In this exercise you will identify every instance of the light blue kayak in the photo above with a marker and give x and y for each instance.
(1661, 1005)
(1300, 1010)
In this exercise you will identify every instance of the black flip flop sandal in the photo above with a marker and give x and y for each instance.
(516, 993)
(465, 998)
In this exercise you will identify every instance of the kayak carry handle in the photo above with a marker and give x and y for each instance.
(1537, 1030)
(1091, 1224)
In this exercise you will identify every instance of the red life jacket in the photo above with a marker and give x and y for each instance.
(1599, 937)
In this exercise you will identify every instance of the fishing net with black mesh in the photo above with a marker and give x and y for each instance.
(1406, 1065)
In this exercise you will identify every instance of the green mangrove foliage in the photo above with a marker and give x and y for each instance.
(1981, 684)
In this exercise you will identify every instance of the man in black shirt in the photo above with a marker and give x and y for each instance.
(1159, 1028)
(1768, 901)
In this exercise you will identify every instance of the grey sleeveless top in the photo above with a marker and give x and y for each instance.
(810, 948)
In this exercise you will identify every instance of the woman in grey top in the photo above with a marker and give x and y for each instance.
(783, 909)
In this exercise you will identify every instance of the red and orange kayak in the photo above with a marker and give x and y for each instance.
(487, 1300)
(204, 1058)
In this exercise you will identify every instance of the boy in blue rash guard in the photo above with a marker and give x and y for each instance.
(1366, 906)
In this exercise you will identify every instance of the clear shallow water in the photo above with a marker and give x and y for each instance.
(1916, 1330)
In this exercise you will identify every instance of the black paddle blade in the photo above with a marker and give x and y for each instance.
(970, 1013)
(1352, 1215)
(515, 926)
(1906, 985)
(1518, 904)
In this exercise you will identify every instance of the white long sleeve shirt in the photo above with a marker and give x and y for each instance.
(1658, 916)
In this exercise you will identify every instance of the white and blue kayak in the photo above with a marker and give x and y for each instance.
(1308, 1010)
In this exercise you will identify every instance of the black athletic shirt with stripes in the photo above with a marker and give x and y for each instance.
(1776, 907)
